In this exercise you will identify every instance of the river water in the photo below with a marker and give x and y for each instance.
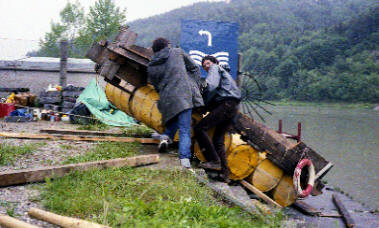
(349, 138)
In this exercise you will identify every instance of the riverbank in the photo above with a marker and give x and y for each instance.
(359, 105)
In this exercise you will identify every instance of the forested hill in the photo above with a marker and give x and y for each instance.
(313, 50)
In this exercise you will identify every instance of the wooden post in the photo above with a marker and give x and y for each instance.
(239, 70)
(63, 63)
(344, 212)
(260, 194)
(9, 222)
(62, 221)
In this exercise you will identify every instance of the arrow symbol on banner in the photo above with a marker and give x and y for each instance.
(208, 34)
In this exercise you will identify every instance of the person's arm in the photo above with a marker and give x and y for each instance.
(192, 68)
(213, 78)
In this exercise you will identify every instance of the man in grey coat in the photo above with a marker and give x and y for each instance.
(176, 77)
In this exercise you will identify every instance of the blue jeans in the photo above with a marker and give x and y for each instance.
(183, 122)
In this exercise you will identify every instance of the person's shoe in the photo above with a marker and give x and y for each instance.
(211, 165)
(225, 178)
(185, 162)
(163, 145)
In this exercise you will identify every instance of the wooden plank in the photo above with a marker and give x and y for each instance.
(22, 176)
(260, 194)
(78, 138)
(306, 208)
(9, 222)
(79, 132)
(344, 212)
(281, 151)
(330, 215)
(62, 221)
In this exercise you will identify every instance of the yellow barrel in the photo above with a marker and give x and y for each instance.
(117, 97)
(143, 106)
(266, 176)
(284, 193)
(242, 161)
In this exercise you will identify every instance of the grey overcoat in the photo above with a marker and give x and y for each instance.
(176, 77)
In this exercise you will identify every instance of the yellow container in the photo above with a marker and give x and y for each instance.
(242, 161)
(117, 97)
(144, 107)
(266, 176)
(284, 193)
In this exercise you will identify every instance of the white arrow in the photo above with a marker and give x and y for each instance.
(207, 33)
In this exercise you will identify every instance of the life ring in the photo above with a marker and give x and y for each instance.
(296, 178)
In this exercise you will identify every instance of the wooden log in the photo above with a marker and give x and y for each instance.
(78, 138)
(281, 151)
(343, 211)
(39, 174)
(260, 194)
(229, 198)
(9, 222)
(62, 221)
(306, 208)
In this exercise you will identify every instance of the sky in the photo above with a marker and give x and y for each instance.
(24, 22)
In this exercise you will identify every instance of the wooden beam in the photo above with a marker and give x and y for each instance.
(62, 221)
(9, 222)
(343, 211)
(79, 132)
(22, 176)
(306, 208)
(260, 194)
(78, 138)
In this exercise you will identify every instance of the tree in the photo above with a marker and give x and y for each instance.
(102, 22)
(104, 19)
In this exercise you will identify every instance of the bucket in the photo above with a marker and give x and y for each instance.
(6, 108)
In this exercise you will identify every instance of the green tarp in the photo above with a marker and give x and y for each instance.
(97, 103)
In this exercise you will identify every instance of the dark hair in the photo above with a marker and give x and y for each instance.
(209, 57)
(159, 44)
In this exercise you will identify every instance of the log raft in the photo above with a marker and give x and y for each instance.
(124, 66)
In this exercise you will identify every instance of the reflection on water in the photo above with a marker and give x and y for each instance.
(349, 138)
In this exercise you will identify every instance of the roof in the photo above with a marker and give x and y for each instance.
(47, 64)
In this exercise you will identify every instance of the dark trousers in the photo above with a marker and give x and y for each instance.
(221, 117)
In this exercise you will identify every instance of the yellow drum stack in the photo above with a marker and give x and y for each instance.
(244, 161)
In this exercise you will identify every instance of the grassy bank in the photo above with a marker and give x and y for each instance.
(325, 104)
(127, 197)
(9, 153)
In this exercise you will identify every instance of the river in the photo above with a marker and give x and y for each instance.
(349, 138)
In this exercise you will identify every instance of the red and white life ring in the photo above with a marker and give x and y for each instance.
(296, 178)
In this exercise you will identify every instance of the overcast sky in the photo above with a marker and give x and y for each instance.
(24, 22)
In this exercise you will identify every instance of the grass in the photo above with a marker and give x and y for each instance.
(126, 197)
(66, 146)
(137, 131)
(106, 150)
(9, 153)
(96, 126)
